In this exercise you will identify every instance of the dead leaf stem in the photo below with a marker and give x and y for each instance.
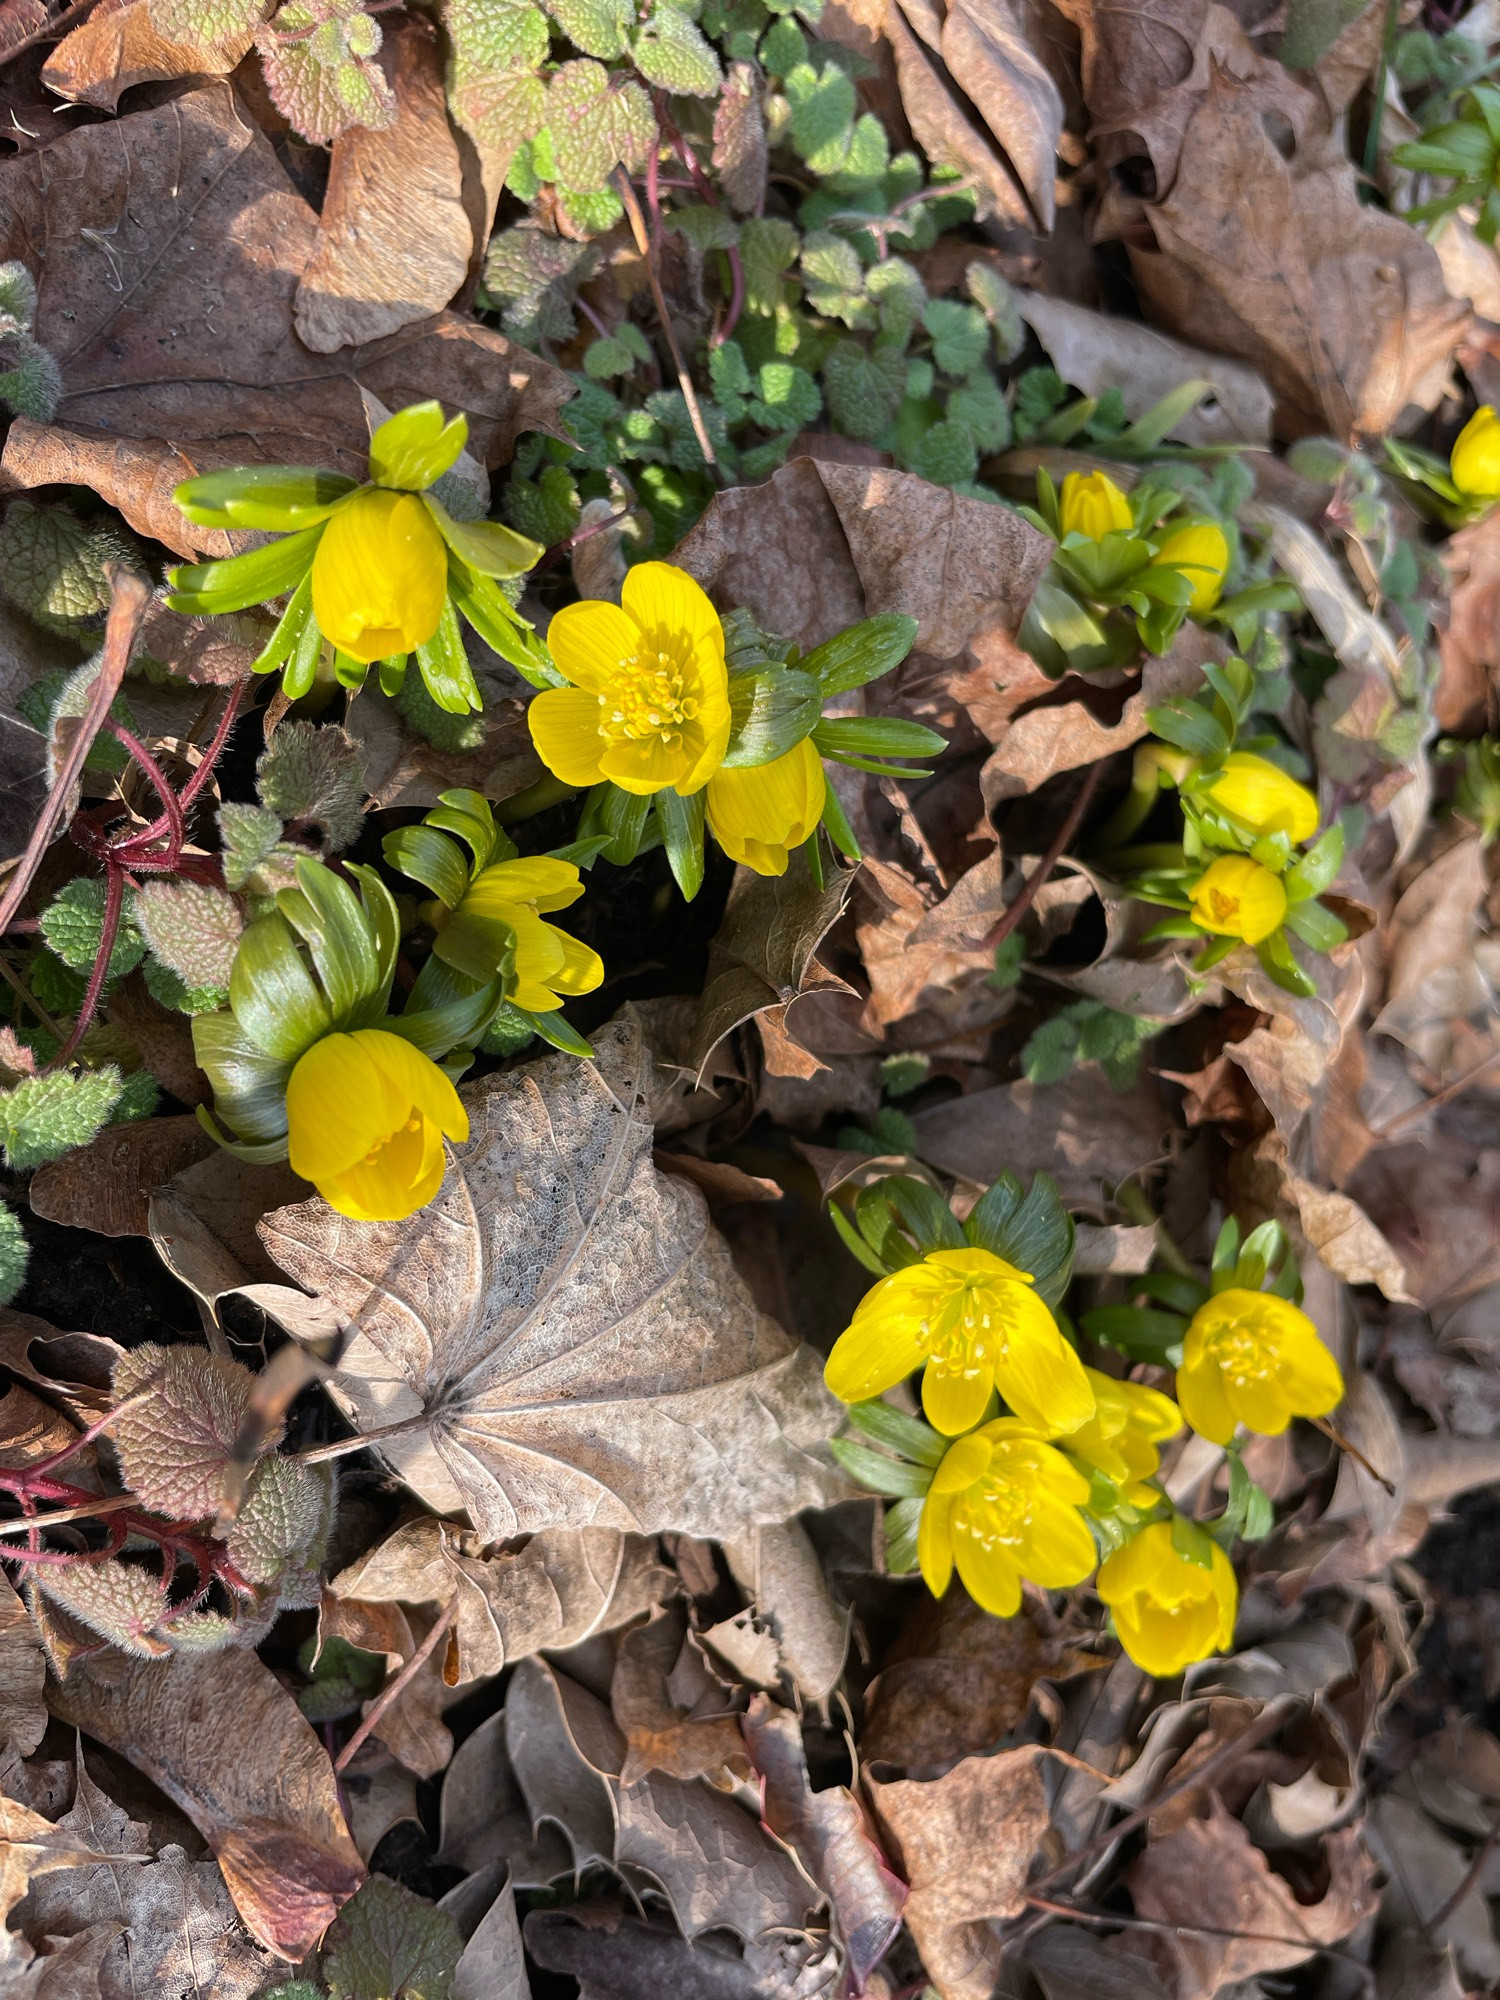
(643, 244)
(389, 1693)
(1002, 930)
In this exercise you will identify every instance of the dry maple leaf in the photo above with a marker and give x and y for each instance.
(562, 1332)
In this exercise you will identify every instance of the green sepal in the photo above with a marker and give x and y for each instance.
(848, 739)
(771, 709)
(500, 626)
(879, 1474)
(902, 1522)
(554, 1029)
(301, 670)
(853, 1242)
(487, 547)
(1029, 1228)
(681, 823)
(467, 814)
(238, 582)
(445, 666)
(861, 653)
(272, 994)
(1192, 1542)
(249, 1086)
(392, 673)
(898, 1432)
(1277, 962)
(1140, 1332)
(282, 498)
(881, 1229)
(428, 857)
(621, 815)
(330, 919)
(288, 631)
(1174, 1289)
(839, 830)
(924, 1213)
(457, 1023)
(349, 672)
(416, 446)
(255, 1153)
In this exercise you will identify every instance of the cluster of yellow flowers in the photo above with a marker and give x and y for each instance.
(1037, 1494)
(1091, 505)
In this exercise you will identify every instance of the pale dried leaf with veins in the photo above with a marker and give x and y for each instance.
(175, 1927)
(662, 1732)
(1433, 980)
(562, 1330)
(225, 1741)
(778, 1569)
(965, 1843)
(31, 1846)
(1080, 1134)
(182, 1410)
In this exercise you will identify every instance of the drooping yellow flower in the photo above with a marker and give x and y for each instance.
(367, 1114)
(758, 813)
(1262, 798)
(1169, 1610)
(380, 574)
(648, 705)
(1121, 1437)
(1200, 551)
(551, 966)
(1236, 897)
(1003, 1506)
(977, 1324)
(1254, 1359)
(1091, 504)
(1475, 462)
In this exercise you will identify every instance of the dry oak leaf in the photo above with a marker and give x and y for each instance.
(167, 247)
(394, 238)
(674, 1711)
(820, 546)
(1468, 693)
(965, 1843)
(223, 1739)
(118, 46)
(562, 1330)
(1209, 1874)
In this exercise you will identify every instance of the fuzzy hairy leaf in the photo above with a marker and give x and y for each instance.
(823, 107)
(318, 60)
(596, 122)
(192, 928)
(864, 388)
(613, 1369)
(123, 1602)
(671, 52)
(73, 926)
(597, 27)
(176, 1440)
(52, 565)
(768, 250)
(317, 774)
(280, 1534)
(389, 1942)
(15, 1254)
(250, 836)
(739, 155)
(43, 1117)
(945, 454)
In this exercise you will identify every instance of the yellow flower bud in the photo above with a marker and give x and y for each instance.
(1091, 504)
(1475, 463)
(1169, 1610)
(380, 575)
(1238, 898)
(1254, 1359)
(1199, 550)
(758, 813)
(367, 1114)
(1121, 1437)
(1262, 798)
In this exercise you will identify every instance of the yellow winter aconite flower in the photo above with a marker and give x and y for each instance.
(1261, 796)
(1254, 1359)
(1236, 897)
(648, 704)
(1003, 1506)
(978, 1325)
(380, 574)
(550, 965)
(759, 812)
(1475, 461)
(1091, 504)
(1200, 551)
(1121, 1437)
(1169, 1610)
(367, 1114)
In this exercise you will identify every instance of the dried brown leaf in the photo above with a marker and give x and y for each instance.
(1433, 982)
(663, 1730)
(562, 1329)
(778, 1569)
(167, 247)
(106, 1186)
(1468, 695)
(405, 769)
(118, 46)
(223, 1739)
(1079, 1133)
(23, 1674)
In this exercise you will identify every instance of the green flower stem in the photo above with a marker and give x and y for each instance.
(547, 791)
(1131, 1197)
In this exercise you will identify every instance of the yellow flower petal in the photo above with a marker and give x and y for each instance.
(989, 1575)
(760, 813)
(366, 1115)
(1475, 462)
(539, 879)
(954, 1403)
(871, 1357)
(1038, 1373)
(590, 641)
(1261, 796)
(564, 724)
(380, 574)
(339, 1105)
(1091, 504)
(935, 1543)
(674, 615)
(1058, 1550)
(1199, 550)
(651, 764)
(1169, 1611)
(1258, 1358)
(1201, 1398)
(1237, 897)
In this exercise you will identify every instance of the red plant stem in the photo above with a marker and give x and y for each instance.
(170, 823)
(114, 903)
(217, 741)
(994, 938)
(637, 221)
(736, 296)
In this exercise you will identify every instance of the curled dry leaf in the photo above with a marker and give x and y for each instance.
(927, 953)
(394, 239)
(167, 247)
(106, 1186)
(778, 1569)
(23, 1675)
(674, 1711)
(562, 1331)
(119, 46)
(1434, 983)
(223, 1739)
(404, 769)
(965, 1843)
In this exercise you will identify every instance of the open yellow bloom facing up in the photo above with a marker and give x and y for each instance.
(1262, 798)
(1200, 551)
(758, 813)
(1236, 897)
(551, 966)
(367, 1115)
(1091, 504)
(1254, 1359)
(1121, 1437)
(648, 705)
(1169, 1610)
(380, 575)
(978, 1325)
(1003, 1507)
(1475, 461)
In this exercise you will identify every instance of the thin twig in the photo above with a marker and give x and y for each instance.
(637, 222)
(127, 609)
(85, 1511)
(343, 1447)
(1434, 1923)
(387, 1695)
(1002, 930)
(1352, 1450)
(1455, 1089)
